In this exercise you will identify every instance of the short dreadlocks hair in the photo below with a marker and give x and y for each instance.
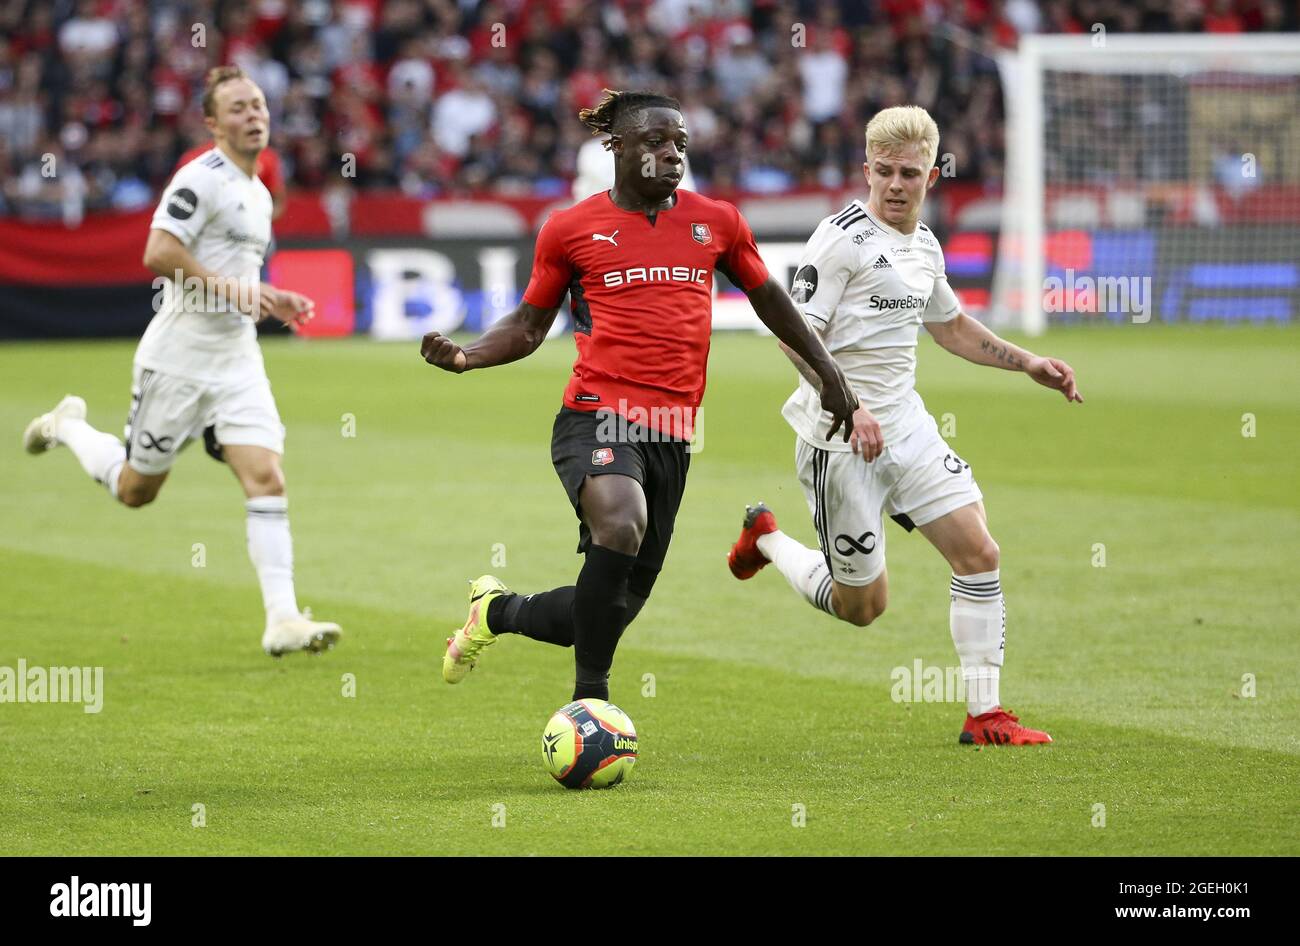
(215, 79)
(615, 109)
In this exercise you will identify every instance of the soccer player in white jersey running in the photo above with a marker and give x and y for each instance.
(871, 275)
(198, 370)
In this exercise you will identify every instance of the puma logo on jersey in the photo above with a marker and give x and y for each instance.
(881, 263)
(610, 238)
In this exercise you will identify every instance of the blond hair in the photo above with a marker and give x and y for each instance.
(897, 127)
(215, 79)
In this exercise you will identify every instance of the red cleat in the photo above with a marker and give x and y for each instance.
(744, 559)
(999, 728)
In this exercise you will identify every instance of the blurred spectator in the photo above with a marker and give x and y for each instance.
(462, 113)
(88, 40)
(460, 96)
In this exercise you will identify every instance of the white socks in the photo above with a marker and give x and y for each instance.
(978, 620)
(100, 454)
(804, 568)
(270, 546)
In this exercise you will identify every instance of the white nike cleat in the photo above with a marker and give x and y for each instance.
(300, 633)
(42, 433)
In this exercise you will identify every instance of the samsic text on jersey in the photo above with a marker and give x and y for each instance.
(641, 294)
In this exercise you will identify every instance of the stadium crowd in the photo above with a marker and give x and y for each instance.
(98, 98)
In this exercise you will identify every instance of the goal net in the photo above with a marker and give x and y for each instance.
(1150, 178)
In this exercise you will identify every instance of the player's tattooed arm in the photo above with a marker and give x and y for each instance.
(1003, 355)
(515, 336)
(973, 341)
(968, 338)
(776, 310)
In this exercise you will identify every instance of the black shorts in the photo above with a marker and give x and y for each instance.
(591, 443)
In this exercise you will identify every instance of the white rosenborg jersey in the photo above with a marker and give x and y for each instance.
(223, 217)
(866, 288)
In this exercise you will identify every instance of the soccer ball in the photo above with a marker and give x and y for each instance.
(589, 744)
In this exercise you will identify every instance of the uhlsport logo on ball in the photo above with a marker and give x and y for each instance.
(589, 744)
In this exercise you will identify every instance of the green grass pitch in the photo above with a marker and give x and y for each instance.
(760, 704)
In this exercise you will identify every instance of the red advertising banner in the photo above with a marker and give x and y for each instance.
(105, 250)
(325, 276)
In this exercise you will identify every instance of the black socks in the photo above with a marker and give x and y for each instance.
(591, 616)
(599, 615)
(546, 616)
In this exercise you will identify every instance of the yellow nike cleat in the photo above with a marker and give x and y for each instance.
(464, 646)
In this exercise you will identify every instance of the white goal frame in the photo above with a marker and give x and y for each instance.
(1020, 273)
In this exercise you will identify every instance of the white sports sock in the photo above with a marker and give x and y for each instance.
(978, 621)
(270, 546)
(804, 568)
(101, 455)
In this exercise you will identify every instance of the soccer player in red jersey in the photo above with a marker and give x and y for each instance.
(637, 262)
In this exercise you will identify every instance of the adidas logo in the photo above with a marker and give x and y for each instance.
(881, 263)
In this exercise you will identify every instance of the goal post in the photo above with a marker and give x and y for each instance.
(1150, 177)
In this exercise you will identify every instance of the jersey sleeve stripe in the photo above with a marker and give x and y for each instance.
(849, 221)
(846, 212)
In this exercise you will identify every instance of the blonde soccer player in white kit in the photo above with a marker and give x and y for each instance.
(198, 371)
(871, 275)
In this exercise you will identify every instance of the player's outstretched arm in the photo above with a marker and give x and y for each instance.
(972, 340)
(168, 257)
(515, 336)
(774, 307)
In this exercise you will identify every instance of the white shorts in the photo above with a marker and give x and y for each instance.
(919, 477)
(168, 411)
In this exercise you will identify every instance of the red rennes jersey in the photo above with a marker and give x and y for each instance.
(642, 300)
